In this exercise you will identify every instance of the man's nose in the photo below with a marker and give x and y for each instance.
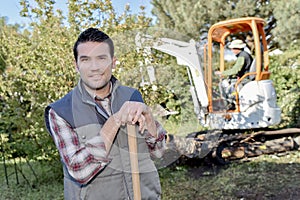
(99, 66)
(96, 66)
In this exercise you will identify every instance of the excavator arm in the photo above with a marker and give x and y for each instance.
(186, 54)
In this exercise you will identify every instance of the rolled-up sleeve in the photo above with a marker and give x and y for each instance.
(157, 145)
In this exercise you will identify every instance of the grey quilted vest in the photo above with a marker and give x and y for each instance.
(114, 182)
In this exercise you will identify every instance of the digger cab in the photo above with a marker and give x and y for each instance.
(254, 94)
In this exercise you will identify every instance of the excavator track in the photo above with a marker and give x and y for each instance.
(225, 146)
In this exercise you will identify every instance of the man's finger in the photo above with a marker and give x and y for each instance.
(142, 122)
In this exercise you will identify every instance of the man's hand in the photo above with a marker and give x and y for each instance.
(132, 112)
(219, 73)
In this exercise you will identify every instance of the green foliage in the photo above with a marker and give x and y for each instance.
(3, 25)
(287, 30)
(194, 17)
(101, 13)
(45, 182)
(38, 71)
(285, 70)
(177, 82)
(170, 87)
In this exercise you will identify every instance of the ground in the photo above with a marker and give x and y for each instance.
(274, 177)
(267, 177)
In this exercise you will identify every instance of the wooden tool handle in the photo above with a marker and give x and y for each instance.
(132, 143)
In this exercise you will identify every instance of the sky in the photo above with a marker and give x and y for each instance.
(11, 8)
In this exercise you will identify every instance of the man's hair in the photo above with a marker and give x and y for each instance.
(93, 35)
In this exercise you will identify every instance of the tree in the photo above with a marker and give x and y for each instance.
(4, 25)
(287, 29)
(193, 17)
(286, 74)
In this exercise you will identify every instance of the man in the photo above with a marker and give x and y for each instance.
(88, 126)
(243, 62)
(241, 66)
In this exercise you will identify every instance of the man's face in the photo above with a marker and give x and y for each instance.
(235, 51)
(95, 65)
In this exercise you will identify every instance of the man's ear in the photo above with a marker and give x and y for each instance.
(76, 66)
(114, 61)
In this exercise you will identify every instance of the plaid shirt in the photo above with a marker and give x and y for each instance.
(84, 161)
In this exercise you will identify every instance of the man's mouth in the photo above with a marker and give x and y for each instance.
(95, 75)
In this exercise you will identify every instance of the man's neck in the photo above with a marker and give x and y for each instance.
(104, 92)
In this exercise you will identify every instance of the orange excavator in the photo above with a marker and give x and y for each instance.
(254, 93)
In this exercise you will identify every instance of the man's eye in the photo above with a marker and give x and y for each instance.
(102, 58)
(84, 59)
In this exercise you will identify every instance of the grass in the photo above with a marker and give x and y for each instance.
(264, 177)
(45, 181)
(182, 127)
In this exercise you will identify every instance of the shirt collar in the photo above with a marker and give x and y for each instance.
(107, 96)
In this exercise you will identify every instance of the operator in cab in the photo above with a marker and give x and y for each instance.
(241, 66)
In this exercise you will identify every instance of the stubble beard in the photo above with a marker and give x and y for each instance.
(102, 87)
(94, 89)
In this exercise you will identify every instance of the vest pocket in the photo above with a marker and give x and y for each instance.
(87, 132)
(105, 188)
